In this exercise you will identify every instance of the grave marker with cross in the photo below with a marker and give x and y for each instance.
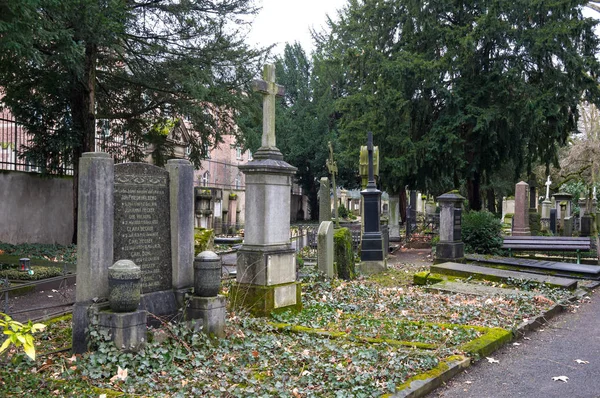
(270, 90)
(332, 167)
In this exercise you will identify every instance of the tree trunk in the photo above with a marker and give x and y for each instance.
(491, 200)
(84, 120)
(473, 191)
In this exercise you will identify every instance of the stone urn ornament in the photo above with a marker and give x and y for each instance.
(207, 274)
(124, 283)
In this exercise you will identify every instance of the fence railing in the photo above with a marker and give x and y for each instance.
(14, 140)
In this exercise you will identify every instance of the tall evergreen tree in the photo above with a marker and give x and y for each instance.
(454, 90)
(303, 127)
(66, 64)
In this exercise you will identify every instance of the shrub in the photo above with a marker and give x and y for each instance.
(342, 211)
(203, 240)
(481, 232)
(39, 272)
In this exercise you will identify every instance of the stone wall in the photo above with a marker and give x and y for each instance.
(35, 209)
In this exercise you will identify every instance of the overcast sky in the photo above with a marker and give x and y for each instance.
(282, 21)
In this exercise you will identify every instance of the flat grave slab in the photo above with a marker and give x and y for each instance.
(479, 272)
(477, 290)
(585, 270)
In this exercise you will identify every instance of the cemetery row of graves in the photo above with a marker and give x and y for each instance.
(153, 317)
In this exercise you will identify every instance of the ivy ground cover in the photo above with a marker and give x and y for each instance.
(361, 338)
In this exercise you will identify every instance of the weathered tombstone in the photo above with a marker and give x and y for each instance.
(413, 209)
(325, 248)
(553, 222)
(521, 218)
(372, 259)
(568, 226)
(533, 192)
(136, 212)
(508, 207)
(266, 262)
(450, 247)
(332, 167)
(394, 223)
(324, 200)
(586, 225)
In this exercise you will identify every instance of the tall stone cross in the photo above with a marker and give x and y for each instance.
(548, 183)
(332, 167)
(270, 90)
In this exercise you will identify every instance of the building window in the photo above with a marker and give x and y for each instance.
(250, 156)
(238, 153)
(205, 179)
(207, 151)
(238, 181)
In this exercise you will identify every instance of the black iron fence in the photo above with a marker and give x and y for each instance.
(14, 140)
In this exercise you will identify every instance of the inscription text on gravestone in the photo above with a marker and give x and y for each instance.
(142, 223)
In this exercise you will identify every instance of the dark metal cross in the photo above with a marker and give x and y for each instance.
(270, 90)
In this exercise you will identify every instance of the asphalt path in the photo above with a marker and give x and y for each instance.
(527, 369)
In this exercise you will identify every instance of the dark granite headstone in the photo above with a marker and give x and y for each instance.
(553, 220)
(586, 225)
(142, 225)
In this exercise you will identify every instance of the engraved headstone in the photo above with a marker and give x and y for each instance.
(142, 224)
(450, 246)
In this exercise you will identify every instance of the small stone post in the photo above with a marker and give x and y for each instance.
(450, 246)
(95, 219)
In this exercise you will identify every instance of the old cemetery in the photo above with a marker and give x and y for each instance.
(153, 318)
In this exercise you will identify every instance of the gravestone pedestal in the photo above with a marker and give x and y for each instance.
(546, 205)
(450, 247)
(586, 225)
(127, 329)
(208, 314)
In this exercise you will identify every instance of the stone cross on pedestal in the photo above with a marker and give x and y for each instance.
(269, 89)
(332, 167)
(548, 183)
